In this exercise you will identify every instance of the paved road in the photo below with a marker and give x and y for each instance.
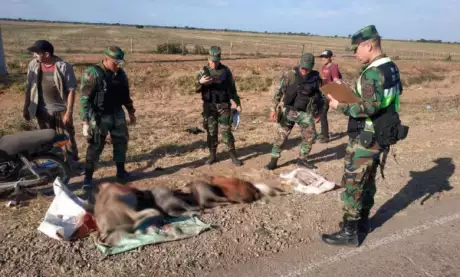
(423, 241)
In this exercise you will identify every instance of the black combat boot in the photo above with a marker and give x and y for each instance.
(87, 186)
(303, 161)
(348, 235)
(122, 173)
(272, 164)
(235, 160)
(363, 223)
(212, 156)
(322, 138)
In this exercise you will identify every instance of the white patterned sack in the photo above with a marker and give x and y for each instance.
(307, 181)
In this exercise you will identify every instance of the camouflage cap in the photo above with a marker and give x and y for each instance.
(362, 35)
(214, 53)
(307, 61)
(115, 53)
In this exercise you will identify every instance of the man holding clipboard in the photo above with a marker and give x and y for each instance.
(373, 126)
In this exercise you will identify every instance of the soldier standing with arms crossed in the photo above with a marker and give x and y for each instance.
(378, 87)
(217, 87)
(104, 90)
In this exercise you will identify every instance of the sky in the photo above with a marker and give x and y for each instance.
(403, 19)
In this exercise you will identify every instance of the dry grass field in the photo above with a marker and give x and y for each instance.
(87, 39)
(163, 95)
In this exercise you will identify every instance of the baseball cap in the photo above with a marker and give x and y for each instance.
(362, 35)
(41, 46)
(326, 54)
(115, 53)
(307, 61)
(214, 53)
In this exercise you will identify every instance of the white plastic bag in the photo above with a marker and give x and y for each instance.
(236, 118)
(307, 181)
(64, 215)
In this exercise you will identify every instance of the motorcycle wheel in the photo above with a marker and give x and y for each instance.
(53, 167)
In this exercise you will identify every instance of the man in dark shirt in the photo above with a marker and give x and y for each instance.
(329, 73)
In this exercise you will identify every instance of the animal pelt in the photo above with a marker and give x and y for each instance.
(218, 190)
(116, 213)
(164, 200)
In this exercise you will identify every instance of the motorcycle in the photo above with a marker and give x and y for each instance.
(21, 160)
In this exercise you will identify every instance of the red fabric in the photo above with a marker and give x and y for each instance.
(48, 69)
(329, 73)
(88, 225)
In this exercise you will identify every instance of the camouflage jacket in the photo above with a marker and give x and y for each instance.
(287, 79)
(91, 86)
(372, 94)
(231, 87)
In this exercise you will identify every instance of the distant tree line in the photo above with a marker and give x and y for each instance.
(206, 29)
(430, 40)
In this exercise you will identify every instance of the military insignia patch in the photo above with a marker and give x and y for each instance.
(368, 91)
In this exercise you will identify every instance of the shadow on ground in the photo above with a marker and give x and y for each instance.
(246, 153)
(423, 185)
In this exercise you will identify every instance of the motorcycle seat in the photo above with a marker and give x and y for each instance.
(26, 141)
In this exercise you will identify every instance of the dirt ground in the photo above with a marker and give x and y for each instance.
(424, 168)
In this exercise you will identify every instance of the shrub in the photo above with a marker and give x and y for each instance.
(171, 48)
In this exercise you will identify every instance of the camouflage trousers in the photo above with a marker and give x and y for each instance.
(360, 170)
(215, 116)
(116, 125)
(307, 129)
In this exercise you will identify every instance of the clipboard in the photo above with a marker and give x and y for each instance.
(340, 92)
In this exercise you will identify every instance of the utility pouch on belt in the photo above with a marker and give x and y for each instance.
(279, 114)
(402, 132)
(366, 139)
(389, 130)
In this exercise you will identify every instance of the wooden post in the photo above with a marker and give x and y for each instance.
(183, 48)
(131, 48)
(303, 48)
(2, 57)
(231, 46)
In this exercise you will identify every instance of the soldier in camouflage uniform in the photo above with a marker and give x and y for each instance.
(217, 87)
(379, 87)
(300, 89)
(104, 90)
